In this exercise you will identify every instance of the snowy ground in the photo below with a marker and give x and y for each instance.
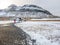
(5, 22)
(45, 33)
(47, 19)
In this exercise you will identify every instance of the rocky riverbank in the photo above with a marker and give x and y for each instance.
(12, 35)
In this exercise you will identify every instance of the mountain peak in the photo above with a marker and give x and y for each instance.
(30, 5)
(34, 8)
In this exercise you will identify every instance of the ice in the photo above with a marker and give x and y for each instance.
(45, 33)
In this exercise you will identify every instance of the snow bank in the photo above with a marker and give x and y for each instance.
(5, 22)
(47, 19)
(45, 33)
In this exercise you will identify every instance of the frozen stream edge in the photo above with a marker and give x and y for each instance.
(45, 33)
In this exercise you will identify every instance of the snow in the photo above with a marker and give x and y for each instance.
(2, 13)
(45, 33)
(6, 22)
(47, 19)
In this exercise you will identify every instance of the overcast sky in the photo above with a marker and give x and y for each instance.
(51, 5)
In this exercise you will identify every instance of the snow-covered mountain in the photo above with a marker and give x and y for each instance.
(34, 8)
(34, 11)
(27, 11)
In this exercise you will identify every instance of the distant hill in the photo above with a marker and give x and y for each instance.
(27, 11)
